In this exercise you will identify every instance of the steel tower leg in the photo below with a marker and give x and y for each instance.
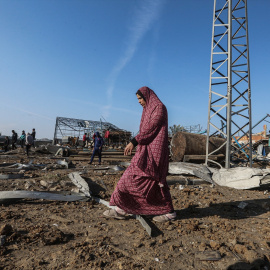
(229, 87)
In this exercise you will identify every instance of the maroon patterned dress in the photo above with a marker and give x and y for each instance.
(143, 189)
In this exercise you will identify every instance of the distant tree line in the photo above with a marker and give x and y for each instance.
(176, 128)
(197, 129)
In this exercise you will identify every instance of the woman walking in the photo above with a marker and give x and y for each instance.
(143, 188)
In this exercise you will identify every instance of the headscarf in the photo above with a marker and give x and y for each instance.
(152, 150)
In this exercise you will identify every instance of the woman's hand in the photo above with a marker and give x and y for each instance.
(128, 149)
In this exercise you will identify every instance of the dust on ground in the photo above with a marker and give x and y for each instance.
(213, 229)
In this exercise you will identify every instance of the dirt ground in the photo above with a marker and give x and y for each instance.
(213, 229)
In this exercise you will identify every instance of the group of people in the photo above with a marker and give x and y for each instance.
(26, 140)
(73, 141)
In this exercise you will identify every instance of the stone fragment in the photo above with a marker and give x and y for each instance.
(240, 249)
(251, 255)
(6, 229)
(214, 245)
(44, 183)
(202, 247)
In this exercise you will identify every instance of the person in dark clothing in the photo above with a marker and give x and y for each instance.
(14, 138)
(28, 142)
(93, 142)
(22, 139)
(6, 143)
(77, 143)
(98, 143)
(33, 134)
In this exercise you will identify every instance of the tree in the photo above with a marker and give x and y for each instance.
(176, 128)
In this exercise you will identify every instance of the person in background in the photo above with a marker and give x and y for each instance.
(22, 139)
(14, 138)
(98, 143)
(93, 140)
(143, 189)
(84, 139)
(106, 136)
(77, 143)
(28, 142)
(6, 144)
(33, 134)
(88, 140)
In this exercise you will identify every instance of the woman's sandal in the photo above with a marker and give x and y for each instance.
(113, 214)
(166, 217)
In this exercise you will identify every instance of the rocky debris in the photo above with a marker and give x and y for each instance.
(42, 234)
(6, 229)
(241, 177)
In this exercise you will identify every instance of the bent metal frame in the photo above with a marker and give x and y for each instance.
(77, 127)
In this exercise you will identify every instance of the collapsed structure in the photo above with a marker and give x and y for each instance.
(72, 128)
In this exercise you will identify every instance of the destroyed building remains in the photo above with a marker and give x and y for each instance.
(70, 128)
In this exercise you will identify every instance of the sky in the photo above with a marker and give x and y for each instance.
(86, 59)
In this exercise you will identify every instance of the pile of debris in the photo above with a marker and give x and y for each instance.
(52, 207)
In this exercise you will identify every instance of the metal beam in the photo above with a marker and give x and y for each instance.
(229, 65)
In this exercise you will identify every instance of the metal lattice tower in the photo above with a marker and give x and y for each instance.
(229, 111)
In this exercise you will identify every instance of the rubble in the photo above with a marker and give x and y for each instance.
(241, 177)
(80, 183)
(217, 227)
(198, 170)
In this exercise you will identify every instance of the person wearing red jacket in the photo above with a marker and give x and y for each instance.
(84, 139)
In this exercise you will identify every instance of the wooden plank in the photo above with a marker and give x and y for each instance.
(124, 158)
(8, 157)
(6, 164)
(98, 200)
(23, 194)
(9, 170)
(201, 157)
(143, 222)
(11, 176)
(98, 168)
(181, 181)
(104, 153)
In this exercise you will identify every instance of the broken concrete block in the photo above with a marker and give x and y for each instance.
(80, 183)
(198, 170)
(44, 183)
(241, 177)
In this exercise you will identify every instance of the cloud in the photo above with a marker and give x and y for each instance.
(106, 108)
(28, 112)
(144, 17)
